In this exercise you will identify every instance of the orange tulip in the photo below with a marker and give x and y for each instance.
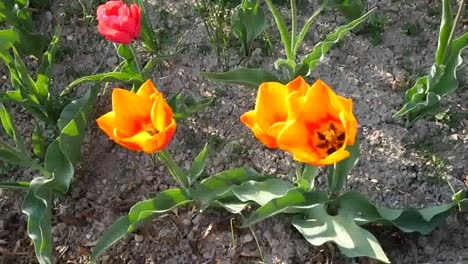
(140, 121)
(271, 112)
(312, 123)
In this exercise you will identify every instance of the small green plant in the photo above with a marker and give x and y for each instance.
(289, 67)
(351, 9)
(423, 99)
(215, 15)
(16, 14)
(374, 28)
(248, 22)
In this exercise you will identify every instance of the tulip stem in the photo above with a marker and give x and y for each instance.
(136, 58)
(179, 175)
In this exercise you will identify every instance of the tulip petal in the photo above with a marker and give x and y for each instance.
(335, 157)
(106, 123)
(147, 90)
(295, 137)
(161, 114)
(298, 85)
(126, 103)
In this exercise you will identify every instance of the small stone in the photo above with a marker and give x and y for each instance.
(105, 258)
(112, 61)
(186, 222)
(247, 238)
(428, 250)
(70, 37)
(453, 137)
(139, 238)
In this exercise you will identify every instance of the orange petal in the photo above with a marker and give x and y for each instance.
(350, 125)
(314, 106)
(128, 104)
(161, 114)
(298, 84)
(335, 157)
(147, 89)
(271, 104)
(106, 123)
(295, 137)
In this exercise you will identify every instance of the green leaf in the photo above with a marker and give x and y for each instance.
(284, 33)
(294, 199)
(106, 77)
(306, 181)
(59, 166)
(38, 142)
(446, 25)
(407, 220)
(10, 129)
(320, 49)
(73, 122)
(184, 105)
(234, 206)
(37, 205)
(448, 82)
(351, 239)
(219, 185)
(11, 155)
(248, 22)
(176, 171)
(147, 34)
(198, 165)
(125, 52)
(338, 172)
(248, 77)
(140, 213)
(45, 74)
(14, 185)
(262, 192)
(26, 42)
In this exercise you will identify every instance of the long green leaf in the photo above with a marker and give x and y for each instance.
(220, 185)
(262, 192)
(106, 77)
(140, 213)
(45, 69)
(198, 165)
(294, 199)
(147, 33)
(448, 82)
(10, 129)
(248, 77)
(60, 167)
(14, 185)
(37, 205)
(39, 143)
(73, 122)
(351, 239)
(446, 25)
(407, 220)
(320, 49)
(284, 33)
(339, 171)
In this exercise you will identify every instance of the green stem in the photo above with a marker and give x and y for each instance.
(285, 37)
(177, 173)
(455, 22)
(293, 28)
(306, 28)
(14, 185)
(136, 58)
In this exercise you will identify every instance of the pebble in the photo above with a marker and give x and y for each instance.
(112, 61)
(139, 238)
(247, 238)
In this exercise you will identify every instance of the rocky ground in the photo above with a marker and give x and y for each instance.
(399, 167)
